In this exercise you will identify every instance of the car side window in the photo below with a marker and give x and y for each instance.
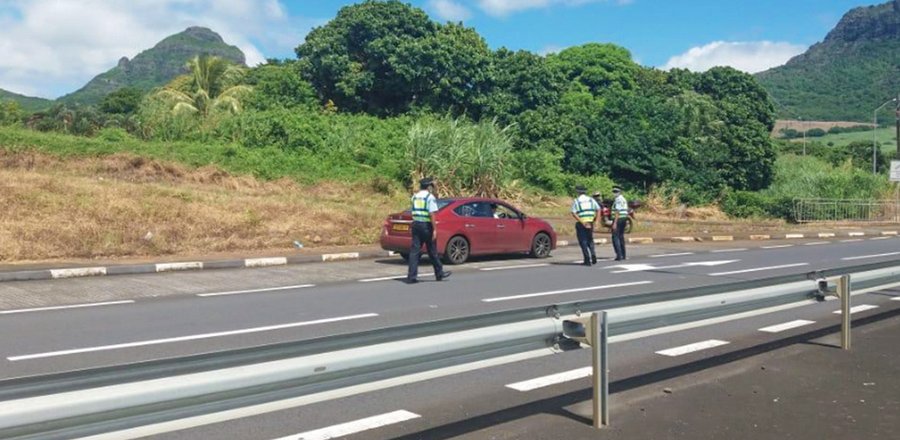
(467, 210)
(505, 212)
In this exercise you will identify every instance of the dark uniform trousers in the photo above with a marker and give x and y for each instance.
(586, 241)
(618, 237)
(422, 232)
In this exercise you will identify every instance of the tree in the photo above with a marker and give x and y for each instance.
(521, 81)
(387, 57)
(597, 66)
(122, 102)
(212, 85)
(10, 113)
(279, 85)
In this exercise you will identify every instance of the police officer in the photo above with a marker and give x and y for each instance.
(584, 210)
(620, 221)
(424, 205)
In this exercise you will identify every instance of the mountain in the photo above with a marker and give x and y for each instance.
(28, 103)
(846, 76)
(157, 66)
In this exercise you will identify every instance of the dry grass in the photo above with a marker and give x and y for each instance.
(105, 207)
(809, 125)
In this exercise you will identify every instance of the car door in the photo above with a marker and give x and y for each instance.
(511, 233)
(479, 227)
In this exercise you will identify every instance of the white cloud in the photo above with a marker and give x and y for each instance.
(449, 10)
(52, 47)
(501, 8)
(751, 57)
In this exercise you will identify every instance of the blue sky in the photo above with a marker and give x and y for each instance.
(52, 47)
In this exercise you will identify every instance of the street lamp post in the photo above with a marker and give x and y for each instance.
(875, 133)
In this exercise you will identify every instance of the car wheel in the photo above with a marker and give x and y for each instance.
(457, 251)
(541, 245)
(628, 225)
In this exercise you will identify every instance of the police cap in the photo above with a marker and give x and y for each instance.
(426, 182)
(580, 189)
(617, 189)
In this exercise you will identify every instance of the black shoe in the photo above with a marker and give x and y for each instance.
(619, 259)
(444, 276)
(411, 281)
(586, 263)
(593, 260)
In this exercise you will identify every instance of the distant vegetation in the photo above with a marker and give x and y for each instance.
(847, 75)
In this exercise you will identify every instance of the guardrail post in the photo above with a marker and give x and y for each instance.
(843, 291)
(600, 363)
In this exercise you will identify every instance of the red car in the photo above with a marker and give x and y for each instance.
(474, 226)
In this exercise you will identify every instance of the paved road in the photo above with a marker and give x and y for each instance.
(157, 316)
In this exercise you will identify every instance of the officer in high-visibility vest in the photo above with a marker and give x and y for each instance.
(585, 210)
(424, 205)
(620, 221)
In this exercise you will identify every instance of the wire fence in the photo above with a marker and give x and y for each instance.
(836, 210)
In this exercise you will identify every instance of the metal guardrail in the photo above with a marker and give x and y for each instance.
(106, 400)
(830, 210)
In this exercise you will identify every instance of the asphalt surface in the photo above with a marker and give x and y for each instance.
(161, 316)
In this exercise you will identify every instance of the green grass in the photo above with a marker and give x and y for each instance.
(267, 163)
(885, 136)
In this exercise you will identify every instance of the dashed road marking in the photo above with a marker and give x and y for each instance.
(392, 277)
(852, 240)
(857, 309)
(681, 254)
(187, 338)
(355, 427)
(722, 251)
(758, 269)
(74, 306)
(779, 246)
(521, 266)
(816, 243)
(267, 289)
(553, 379)
(863, 257)
(690, 348)
(880, 238)
(560, 292)
(786, 326)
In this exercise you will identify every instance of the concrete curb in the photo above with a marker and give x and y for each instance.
(133, 269)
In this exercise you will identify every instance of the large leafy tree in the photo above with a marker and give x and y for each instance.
(387, 57)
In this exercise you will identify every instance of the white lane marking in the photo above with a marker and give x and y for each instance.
(826, 234)
(880, 238)
(522, 266)
(720, 251)
(395, 277)
(553, 379)
(361, 425)
(560, 292)
(690, 348)
(75, 306)
(671, 255)
(624, 268)
(816, 243)
(863, 257)
(267, 289)
(77, 272)
(758, 269)
(786, 326)
(856, 234)
(265, 262)
(896, 298)
(187, 338)
(780, 246)
(894, 233)
(859, 308)
(190, 265)
(852, 240)
(790, 236)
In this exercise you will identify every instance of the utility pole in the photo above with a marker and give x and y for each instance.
(898, 126)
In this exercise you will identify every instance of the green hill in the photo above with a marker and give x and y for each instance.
(28, 103)
(855, 69)
(157, 66)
